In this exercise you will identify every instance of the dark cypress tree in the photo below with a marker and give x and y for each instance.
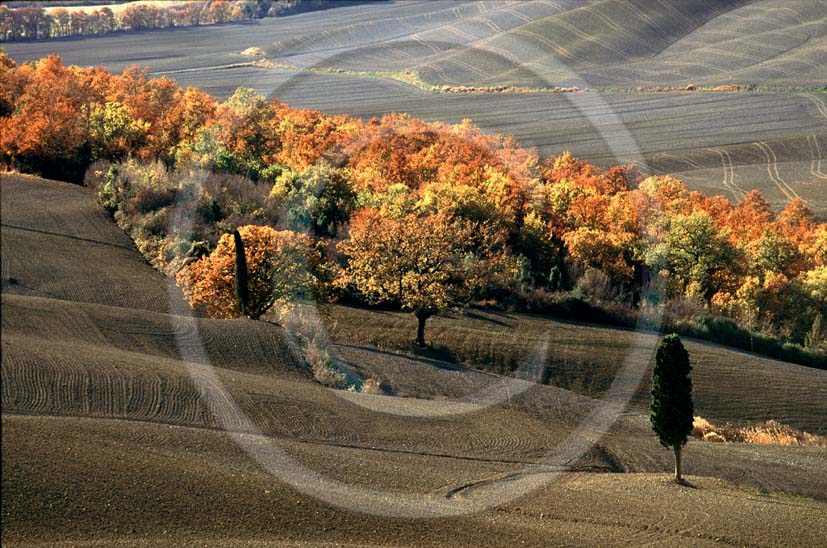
(242, 291)
(671, 410)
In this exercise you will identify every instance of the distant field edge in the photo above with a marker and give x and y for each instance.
(413, 78)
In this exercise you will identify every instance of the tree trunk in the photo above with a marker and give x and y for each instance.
(678, 476)
(420, 328)
(242, 290)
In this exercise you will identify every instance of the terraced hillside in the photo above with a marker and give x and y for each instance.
(725, 142)
(596, 43)
(126, 425)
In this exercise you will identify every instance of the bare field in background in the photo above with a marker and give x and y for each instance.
(721, 142)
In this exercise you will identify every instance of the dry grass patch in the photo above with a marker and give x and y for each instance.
(770, 432)
(730, 87)
(373, 386)
(253, 52)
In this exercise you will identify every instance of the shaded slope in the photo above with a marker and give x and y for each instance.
(605, 33)
(391, 39)
(58, 243)
(760, 43)
(728, 385)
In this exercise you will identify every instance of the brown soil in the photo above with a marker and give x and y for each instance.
(114, 419)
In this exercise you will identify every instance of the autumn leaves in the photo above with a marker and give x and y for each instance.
(276, 265)
(423, 216)
(426, 264)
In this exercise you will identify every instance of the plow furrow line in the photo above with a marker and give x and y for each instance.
(418, 39)
(689, 161)
(518, 15)
(534, 36)
(595, 40)
(462, 34)
(614, 25)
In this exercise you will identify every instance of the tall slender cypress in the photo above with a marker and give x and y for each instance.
(242, 290)
(671, 411)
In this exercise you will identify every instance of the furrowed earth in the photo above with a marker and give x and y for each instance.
(129, 421)
(121, 417)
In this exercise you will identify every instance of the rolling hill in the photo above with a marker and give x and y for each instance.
(125, 424)
(772, 139)
(177, 486)
(632, 43)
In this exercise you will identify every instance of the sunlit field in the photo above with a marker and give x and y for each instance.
(414, 273)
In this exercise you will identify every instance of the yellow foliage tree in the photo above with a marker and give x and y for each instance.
(425, 264)
(112, 131)
(602, 250)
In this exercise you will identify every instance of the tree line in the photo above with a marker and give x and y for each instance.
(34, 22)
(400, 212)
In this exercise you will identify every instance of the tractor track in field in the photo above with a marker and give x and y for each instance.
(772, 171)
(815, 152)
(729, 174)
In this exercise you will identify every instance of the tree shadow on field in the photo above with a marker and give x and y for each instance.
(435, 353)
(476, 316)
(438, 358)
(682, 483)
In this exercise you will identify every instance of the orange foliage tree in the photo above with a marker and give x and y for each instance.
(45, 130)
(277, 264)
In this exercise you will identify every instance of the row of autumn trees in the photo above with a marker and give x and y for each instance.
(400, 212)
(38, 23)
